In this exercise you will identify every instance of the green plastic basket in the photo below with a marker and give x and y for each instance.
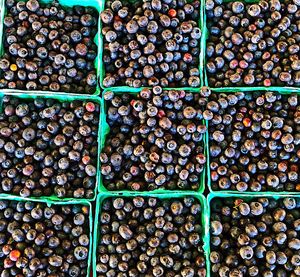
(61, 98)
(49, 203)
(66, 4)
(126, 88)
(205, 35)
(282, 91)
(172, 196)
(105, 129)
(246, 196)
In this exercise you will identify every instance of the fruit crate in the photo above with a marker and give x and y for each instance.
(126, 88)
(50, 203)
(65, 4)
(105, 130)
(102, 196)
(282, 91)
(247, 196)
(60, 98)
(204, 39)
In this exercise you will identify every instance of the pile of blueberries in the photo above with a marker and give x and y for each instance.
(41, 240)
(253, 44)
(254, 141)
(155, 141)
(148, 236)
(149, 43)
(48, 147)
(256, 237)
(47, 47)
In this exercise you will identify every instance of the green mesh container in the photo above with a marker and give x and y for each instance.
(50, 203)
(65, 4)
(204, 39)
(247, 196)
(102, 196)
(126, 88)
(60, 98)
(282, 91)
(105, 129)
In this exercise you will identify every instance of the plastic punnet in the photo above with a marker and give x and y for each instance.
(60, 98)
(204, 38)
(126, 88)
(173, 196)
(65, 4)
(49, 203)
(282, 91)
(105, 129)
(247, 196)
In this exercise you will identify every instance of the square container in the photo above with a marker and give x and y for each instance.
(250, 90)
(50, 203)
(66, 4)
(105, 129)
(102, 196)
(126, 88)
(246, 196)
(204, 39)
(61, 98)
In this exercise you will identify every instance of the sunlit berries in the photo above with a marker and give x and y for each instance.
(155, 140)
(254, 236)
(41, 239)
(147, 235)
(48, 147)
(151, 43)
(252, 44)
(49, 47)
(254, 141)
